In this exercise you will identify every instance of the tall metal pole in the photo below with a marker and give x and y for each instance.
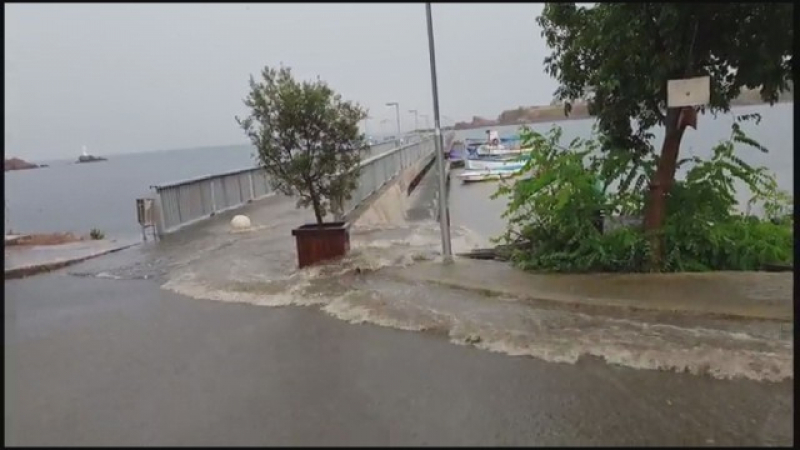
(447, 251)
(397, 112)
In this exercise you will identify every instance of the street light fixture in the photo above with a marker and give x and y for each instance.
(397, 112)
(444, 215)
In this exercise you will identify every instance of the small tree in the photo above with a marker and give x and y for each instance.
(623, 54)
(307, 138)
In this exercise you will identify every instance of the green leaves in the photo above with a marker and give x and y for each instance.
(307, 138)
(553, 211)
(624, 54)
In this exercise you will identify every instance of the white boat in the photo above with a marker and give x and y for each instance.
(487, 174)
(86, 157)
(500, 150)
(493, 164)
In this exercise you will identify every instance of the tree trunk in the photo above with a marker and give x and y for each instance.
(655, 209)
(315, 204)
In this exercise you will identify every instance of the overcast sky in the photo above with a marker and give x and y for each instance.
(124, 78)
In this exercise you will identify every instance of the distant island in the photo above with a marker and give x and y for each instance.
(18, 164)
(580, 110)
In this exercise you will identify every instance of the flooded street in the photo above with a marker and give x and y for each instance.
(258, 267)
(214, 336)
(124, 362)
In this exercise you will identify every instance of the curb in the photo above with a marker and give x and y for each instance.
(607, 304)
(26, 271)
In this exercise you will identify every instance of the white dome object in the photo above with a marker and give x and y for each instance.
(240, 222)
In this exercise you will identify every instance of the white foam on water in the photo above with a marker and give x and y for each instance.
(289, 294)
(354, 291)
(519, 330)
(368, 307)
(108, 275)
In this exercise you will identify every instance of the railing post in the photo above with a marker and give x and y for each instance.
(241, 189)
(159, 209)
(213, 197)
(252, 186)
(178, 203)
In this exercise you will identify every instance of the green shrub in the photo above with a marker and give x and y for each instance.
(96, 234)
(552, 213)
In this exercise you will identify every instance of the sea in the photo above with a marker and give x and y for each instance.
(79, 197)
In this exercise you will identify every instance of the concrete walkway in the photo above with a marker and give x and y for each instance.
(23, 260)
(748, 295)
(12, 239)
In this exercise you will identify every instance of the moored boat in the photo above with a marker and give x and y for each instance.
(488, 174)
(494, 163)
(500, 150)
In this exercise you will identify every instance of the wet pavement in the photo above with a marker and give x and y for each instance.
(23, 260)
(123, 362)
(747, 295)
(212, 337)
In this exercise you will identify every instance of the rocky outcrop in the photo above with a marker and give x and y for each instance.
(531, 114)
(580, 110)
(18, 164)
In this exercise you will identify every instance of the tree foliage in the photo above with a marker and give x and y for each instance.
(307, 138)
(623, 54)
(551, 215)
(619, 56)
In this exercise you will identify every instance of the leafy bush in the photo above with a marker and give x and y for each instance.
(552, 215)
(96, 234)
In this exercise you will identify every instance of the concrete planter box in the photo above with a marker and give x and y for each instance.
(318, 243)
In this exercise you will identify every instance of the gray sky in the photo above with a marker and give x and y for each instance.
(124, 78)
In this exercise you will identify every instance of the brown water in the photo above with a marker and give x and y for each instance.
(257, 266)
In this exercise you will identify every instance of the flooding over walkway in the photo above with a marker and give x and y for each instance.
(255, 352)
(258, 267)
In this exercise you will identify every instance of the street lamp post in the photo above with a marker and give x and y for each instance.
(444, 215)
(416, 127)
(397, 112)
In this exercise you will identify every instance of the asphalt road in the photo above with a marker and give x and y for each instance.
(122, 362)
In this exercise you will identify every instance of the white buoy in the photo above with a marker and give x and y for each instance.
(240, 222)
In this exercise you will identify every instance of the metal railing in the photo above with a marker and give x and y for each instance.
(182, 203)
(185, 202)
(379, 170)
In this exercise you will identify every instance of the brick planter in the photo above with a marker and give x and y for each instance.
(318, 243)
